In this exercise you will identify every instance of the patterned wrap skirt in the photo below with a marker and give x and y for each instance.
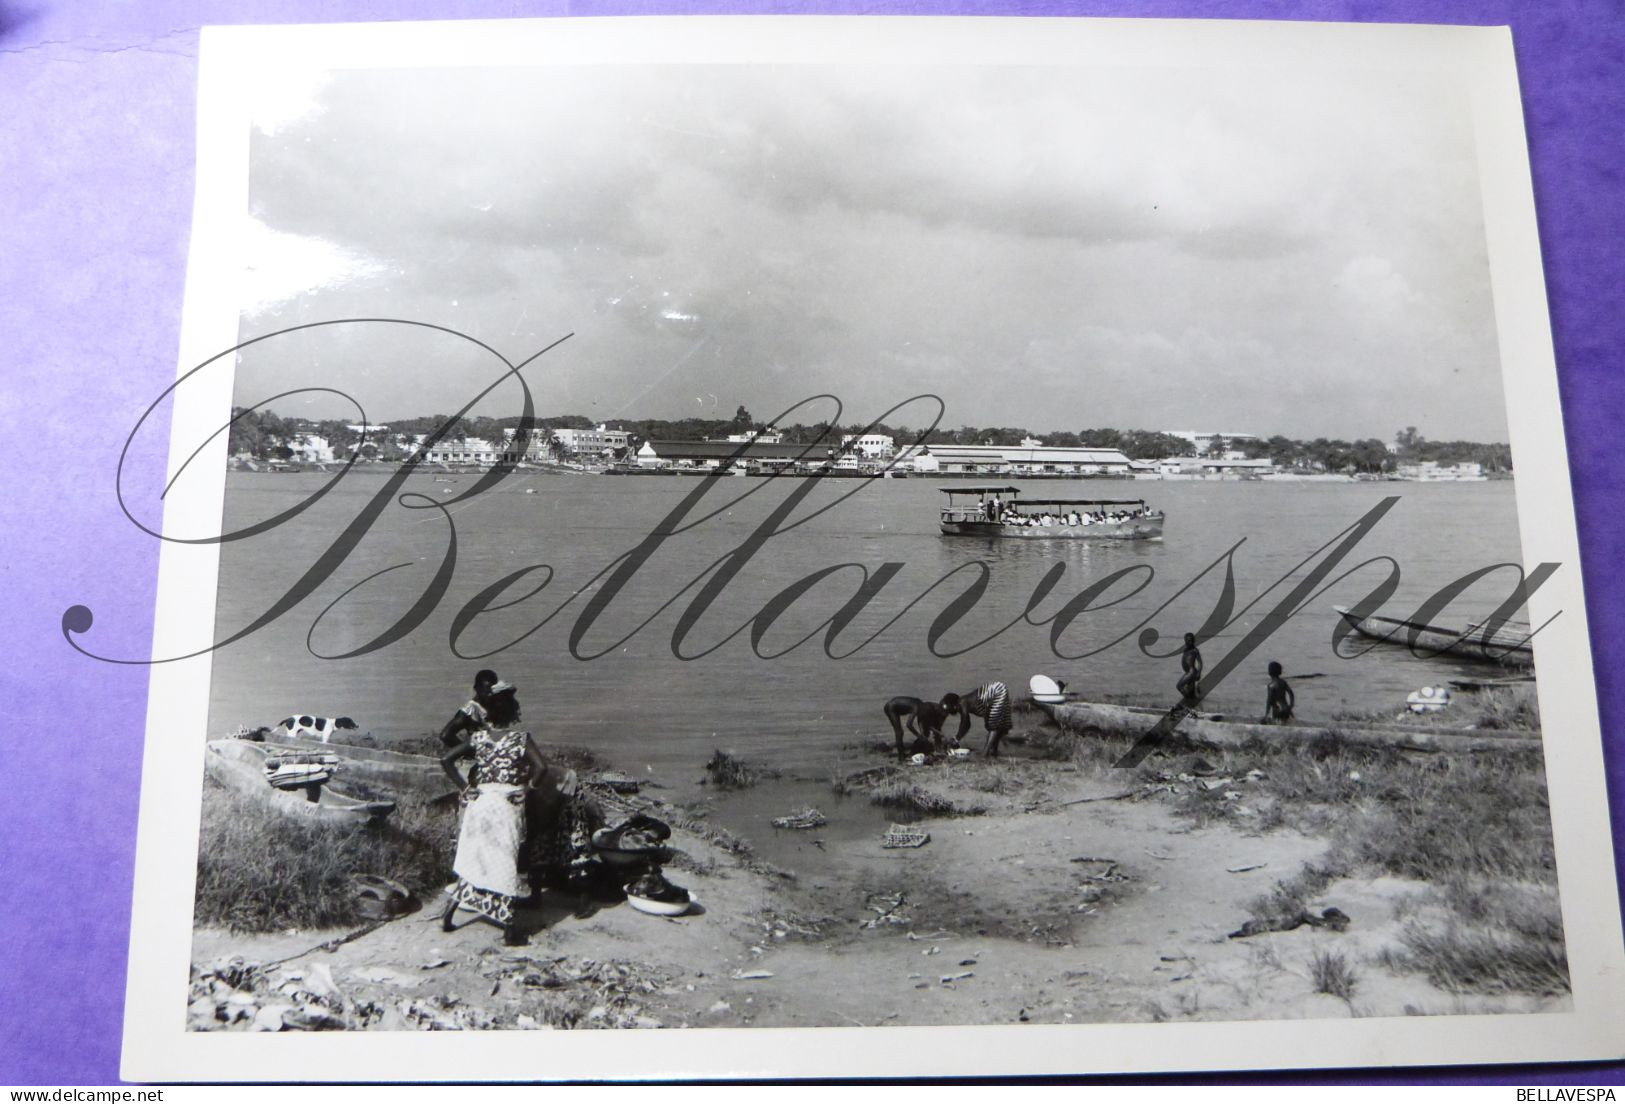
(488, 847)
(560, 846)
(992, 704)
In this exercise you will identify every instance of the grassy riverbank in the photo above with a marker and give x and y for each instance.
(1055, 887)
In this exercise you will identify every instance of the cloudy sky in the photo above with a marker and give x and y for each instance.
(1266, 251)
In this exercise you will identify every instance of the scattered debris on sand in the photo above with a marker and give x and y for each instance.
(887, 910)
(237, 995)
(805, 819)
(905, 835)
(1332, 919)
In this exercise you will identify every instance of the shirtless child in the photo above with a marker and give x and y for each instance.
(1279, 700)
(925, 721)
(1190, 664)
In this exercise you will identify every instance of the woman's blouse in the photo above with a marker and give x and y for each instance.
(499, 756)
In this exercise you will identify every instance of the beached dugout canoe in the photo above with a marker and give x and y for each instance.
(1508, 645)
(352, 753)
(1227, 733)
(240, 766)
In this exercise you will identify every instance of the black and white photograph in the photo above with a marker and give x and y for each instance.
(976, 534)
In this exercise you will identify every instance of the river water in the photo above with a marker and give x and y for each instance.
(633, 700)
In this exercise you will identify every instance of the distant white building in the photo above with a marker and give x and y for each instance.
(535, 446)
(311, 449)
(872, 446)
(914, 458)
(765, 437)
(464, 450)
(743, 455)
(1020, 460)
(592, 442)
(1208, 467)
(1202, 439)
(1431, 471)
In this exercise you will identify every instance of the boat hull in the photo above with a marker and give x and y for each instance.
(1225, 733)
(1507, 646)
(354, 754)
(1145, 528)
(240, 766)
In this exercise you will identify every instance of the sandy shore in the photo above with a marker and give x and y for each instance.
(1062, 900)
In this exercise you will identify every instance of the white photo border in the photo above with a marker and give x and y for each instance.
(233, 61)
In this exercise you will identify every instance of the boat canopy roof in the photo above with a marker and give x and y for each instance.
(1084, 502)
(1014, 492)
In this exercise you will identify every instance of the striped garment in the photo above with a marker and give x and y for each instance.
(992, 704)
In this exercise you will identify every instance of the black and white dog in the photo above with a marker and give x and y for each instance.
(307, 727)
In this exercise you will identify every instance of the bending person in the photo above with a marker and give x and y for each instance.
(992, 704)
(924, 719)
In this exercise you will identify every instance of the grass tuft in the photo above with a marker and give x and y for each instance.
(729, 772)
(1501, 937)
(1476, 829)
(905, 797)
(1470, 958)
(1508, 708)
(264, 872)
(1332, 974)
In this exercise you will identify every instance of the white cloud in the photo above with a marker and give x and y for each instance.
(279, 267)
(1150, 246)
(1374, 285)
(277, 102)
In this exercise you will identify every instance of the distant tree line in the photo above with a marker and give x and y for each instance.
(1414, 448)
(261, 433)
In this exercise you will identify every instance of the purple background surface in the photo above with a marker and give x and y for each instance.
(96, 160)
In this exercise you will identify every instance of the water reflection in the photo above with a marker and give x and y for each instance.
(645, 706)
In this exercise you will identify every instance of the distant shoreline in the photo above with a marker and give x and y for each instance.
(385, 467)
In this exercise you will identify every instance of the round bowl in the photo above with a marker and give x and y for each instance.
(658, 908)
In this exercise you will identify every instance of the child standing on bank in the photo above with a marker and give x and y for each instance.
(1279, 700)
(1190, 665)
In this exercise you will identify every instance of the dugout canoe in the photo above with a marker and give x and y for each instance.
(240, 766)
(1205, 729)
(352, 753)
(1509, 645)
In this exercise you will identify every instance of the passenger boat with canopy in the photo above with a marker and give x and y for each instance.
(1001, 512)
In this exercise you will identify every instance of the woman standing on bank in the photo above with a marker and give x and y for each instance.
(492, 833)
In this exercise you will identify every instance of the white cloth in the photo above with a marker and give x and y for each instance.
(488, 845)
